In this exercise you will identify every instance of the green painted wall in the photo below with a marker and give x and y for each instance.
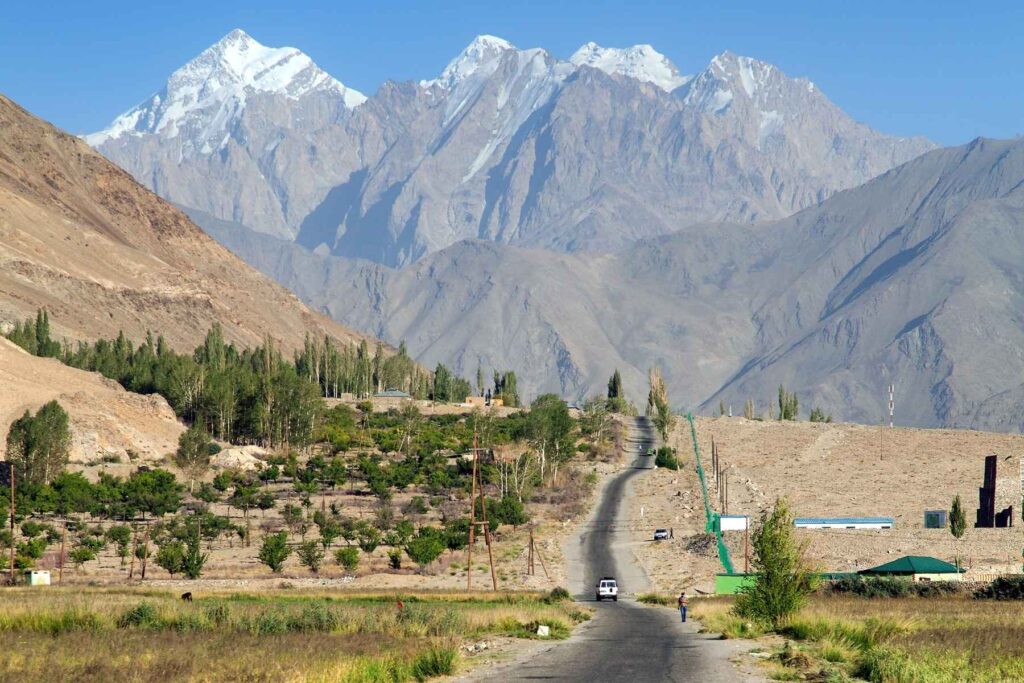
(730, 584)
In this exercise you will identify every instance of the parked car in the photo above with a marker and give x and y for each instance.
(661, 534)
(607, 588)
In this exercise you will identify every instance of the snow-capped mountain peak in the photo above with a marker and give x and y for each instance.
(483, 51)
(641, 62)
(219, 81)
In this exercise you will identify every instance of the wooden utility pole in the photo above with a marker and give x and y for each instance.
(534, 552)
(13, 509)
(472, 522)
(145, 552)
(487, 539)
(135, 546)
(63, 543)
(529, 555)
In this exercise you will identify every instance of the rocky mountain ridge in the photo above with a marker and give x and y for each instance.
(910, 279)
(518, 147)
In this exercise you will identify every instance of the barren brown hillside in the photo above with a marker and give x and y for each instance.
(80, 237)
(833, 470)
(105, 419)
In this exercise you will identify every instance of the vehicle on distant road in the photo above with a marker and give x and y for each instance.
(661, 534)
(607, 588)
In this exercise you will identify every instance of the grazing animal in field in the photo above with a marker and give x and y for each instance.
(187, 597)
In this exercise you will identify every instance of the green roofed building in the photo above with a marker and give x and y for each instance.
(917, 568)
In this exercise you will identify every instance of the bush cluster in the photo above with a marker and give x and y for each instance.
(893, 587)
(1003, 588)
(666, 457)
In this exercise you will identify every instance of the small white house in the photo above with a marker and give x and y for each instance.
(733, 522)
(843, 522)
(37, 577)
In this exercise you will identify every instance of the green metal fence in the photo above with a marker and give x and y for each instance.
(711, 522)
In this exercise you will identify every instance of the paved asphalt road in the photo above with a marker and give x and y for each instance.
(625, 641)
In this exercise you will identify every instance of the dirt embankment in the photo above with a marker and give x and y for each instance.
(105, 419)
(831, 470)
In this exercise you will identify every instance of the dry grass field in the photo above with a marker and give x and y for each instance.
(831, 470)
(274, 635)
(895, 640)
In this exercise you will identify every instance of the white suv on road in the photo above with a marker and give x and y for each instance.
(607, 588)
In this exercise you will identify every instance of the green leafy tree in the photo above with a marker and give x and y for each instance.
(39, 444)
(171, 556)
(330, 530)
(615, 385)
(193, 559)
(957, 523)
(79, 555)
(348, 558)
(369, 538)
(666, 457)
(658, 408)
(596, 420)
(193, 454)
(311, 555)
(510, 510)
(121, 536)
(426, 547)
(549, 428)
(784, 576)
(957, 519)
(818, 415)
(275, 551)
(789, 405)
(154, 491)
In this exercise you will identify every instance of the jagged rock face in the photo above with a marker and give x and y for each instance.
(912, 279)
(507, 145)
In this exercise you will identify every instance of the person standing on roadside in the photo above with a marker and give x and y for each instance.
(683, 603)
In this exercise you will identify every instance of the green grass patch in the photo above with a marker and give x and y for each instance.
(656, 599)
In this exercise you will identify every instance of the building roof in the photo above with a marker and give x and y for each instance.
(914, 564)
(392, 393)
(843, 520)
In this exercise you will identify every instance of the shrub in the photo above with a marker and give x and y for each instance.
(818, 415)
(426, 547)
(655, 599)
(143, 615)
(218, 613)
(437, 661)
(33, 549)
(275, 551)
(556, 595)
(369, 539)
(666, 457)
(32, 529)
(347, 557)
(1002, 588)
(395, 558)
(171, 557)
(316, 616)
(893, 587)
(80, 555)
(311, 555)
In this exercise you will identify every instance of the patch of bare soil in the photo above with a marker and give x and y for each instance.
(105, 419)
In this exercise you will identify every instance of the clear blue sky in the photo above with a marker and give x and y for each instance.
(942, 69)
